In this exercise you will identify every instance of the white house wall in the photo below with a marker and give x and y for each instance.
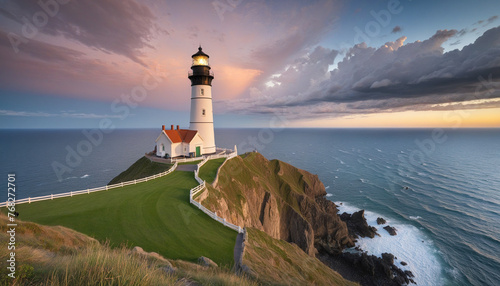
(196, 141)
(162, 139)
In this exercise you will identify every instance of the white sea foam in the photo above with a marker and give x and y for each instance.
(409, 245)
(415, 217)
(84, 176)
(327, 187)
(363, 180)
(329, 195)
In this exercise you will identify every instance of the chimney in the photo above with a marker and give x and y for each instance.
(171, 127)
(177, 127)
(163, 127)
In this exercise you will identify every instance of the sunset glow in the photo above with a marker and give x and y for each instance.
(320, 64)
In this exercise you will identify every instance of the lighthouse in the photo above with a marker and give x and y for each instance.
(202, 118)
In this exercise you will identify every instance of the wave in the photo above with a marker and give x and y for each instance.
(85, 176)
(410, 245)
(415, 217)
(328, 195)
(327, 187)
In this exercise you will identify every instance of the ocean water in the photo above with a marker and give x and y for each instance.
(439, 188)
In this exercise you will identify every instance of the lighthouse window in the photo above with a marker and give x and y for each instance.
(202, 91)
(203, 112)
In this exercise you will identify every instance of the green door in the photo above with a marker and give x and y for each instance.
(198, 152)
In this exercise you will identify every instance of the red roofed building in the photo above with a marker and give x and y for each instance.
(179, 142)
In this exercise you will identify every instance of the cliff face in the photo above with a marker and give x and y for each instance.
(285, 202)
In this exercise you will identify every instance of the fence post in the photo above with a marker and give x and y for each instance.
(88, 192)
(51, 196)
(71, 193)
(121, 184)
(106, 187)
(29, 200)
(135, 182)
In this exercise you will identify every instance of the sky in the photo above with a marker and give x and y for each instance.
(360, 64)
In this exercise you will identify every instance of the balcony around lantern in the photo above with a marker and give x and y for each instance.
(210, 73)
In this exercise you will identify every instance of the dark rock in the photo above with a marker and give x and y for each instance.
(380, 220)
(391, 230)
(205, 261)
(380, 271)
(357, 225)
(168, 269)
(388, 258)
(404, 263)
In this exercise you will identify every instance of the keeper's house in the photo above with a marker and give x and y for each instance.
(179, 143)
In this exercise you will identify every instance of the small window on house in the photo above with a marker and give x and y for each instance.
(203, 112)
(163, 147)
(202, 91)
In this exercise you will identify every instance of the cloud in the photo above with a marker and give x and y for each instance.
(492, 19)
(393, 77)
(396, 29)
(62, 114)
(122, 27)
(44, 68)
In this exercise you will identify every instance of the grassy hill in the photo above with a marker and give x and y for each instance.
(140, 169)
(276, 261)
(155, 215)
(209, 170)
(55, 255)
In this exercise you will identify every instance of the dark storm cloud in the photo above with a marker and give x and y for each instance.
(396, 76)
(123, 27)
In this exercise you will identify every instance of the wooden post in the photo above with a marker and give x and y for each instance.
(29, 200)
(71, 193)
(51, 196)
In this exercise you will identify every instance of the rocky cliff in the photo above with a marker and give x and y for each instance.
(285, 202)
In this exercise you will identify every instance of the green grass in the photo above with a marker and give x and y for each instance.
(209, 170)
(140, 169)
(155, 215)
(55, 255)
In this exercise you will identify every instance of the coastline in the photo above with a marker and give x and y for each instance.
(410, 246)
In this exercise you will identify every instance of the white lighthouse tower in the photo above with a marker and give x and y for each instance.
(202, 118)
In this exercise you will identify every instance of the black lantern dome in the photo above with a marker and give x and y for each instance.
(200, 74)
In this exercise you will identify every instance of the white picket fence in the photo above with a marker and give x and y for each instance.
(194, 191)
(88, 191)
(221, 154)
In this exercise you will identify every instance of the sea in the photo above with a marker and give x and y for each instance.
(440, 188)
